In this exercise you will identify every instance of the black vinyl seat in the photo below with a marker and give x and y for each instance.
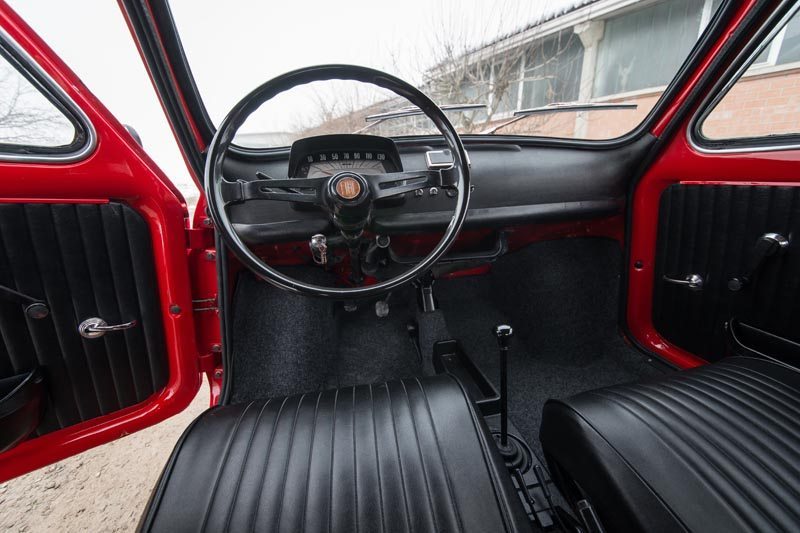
(715, 448)
(409, 455)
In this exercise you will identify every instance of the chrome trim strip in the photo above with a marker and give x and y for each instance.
(58, 93)
(715, 96)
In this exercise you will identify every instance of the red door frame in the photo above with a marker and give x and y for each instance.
(117, 169)
(680, 162)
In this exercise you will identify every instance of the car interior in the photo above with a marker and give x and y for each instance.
(440, 332)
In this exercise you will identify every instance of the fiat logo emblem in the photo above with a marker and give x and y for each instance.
(348, 188)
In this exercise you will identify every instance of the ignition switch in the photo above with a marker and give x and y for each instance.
(319, 249)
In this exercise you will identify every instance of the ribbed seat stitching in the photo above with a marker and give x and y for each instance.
(769, 411)
(244, 463)
(308, 471)
(730, 415)
(377, 458)
(333, 441)
(222, 463)
(683, 411)
(777, 396)
(266, 464)
(765, 379)
(399, 460)
(442, 458)
(288, 461)
(674, 443)
(421, 459)
(355, 459)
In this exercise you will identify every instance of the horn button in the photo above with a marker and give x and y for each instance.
(350, 202)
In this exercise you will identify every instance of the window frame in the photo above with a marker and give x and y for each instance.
(775, 28)
(85, 138)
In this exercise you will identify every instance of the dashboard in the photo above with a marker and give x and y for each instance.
(514, 184)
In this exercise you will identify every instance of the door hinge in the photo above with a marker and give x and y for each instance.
(199, 238)
(204, 304)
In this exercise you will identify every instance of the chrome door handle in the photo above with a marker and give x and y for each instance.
(94, 327)
(693, 282)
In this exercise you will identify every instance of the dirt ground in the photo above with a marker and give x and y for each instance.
(103, 489)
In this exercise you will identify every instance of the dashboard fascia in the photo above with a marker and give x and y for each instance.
(513, 184)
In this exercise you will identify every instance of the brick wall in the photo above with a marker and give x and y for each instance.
(758, 105)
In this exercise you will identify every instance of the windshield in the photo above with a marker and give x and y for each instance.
(493, 62)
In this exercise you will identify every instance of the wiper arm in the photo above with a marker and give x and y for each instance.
(559, 107)
(411, 111)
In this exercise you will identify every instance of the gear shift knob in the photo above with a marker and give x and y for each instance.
(503, 333)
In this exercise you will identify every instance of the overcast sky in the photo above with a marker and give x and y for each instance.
(233, 46)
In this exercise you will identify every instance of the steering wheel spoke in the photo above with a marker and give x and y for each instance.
(286, 190)
(394, 183)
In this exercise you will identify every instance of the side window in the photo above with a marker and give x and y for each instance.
(29, 120)
(765, 100)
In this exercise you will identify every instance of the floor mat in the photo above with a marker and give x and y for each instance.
(561, 298)
(372, 349)
(286, 344)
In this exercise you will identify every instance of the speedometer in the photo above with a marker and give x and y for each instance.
(329, 163)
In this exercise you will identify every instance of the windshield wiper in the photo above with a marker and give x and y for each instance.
(558, 107)
(412, 111)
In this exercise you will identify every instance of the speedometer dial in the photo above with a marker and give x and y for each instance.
(324, 164)
(323, 169)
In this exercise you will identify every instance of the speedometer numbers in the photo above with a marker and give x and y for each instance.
(329, 163)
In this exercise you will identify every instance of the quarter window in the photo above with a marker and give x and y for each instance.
(28, 119)
(765, 100)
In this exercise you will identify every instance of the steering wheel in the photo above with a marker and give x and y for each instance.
(347, 197)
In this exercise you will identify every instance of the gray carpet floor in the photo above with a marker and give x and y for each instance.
(561, 298)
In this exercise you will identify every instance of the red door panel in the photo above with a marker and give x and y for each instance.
(680, 163)
(716, 203)
(115, 169)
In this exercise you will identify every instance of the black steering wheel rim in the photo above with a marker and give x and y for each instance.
(229, 126)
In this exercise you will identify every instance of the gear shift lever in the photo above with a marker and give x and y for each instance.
(503, 333)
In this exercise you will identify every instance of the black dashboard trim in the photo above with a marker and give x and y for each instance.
(407, 223)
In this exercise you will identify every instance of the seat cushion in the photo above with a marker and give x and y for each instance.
(405, 455)
(716, 448)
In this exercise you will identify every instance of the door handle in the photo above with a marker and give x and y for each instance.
(694, 282)
(94, 327)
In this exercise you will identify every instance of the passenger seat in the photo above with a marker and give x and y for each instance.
(716, 448)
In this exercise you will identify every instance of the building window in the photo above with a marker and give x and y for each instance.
(552, 70)
(784, 48)
(505, 83)
(644, 48)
